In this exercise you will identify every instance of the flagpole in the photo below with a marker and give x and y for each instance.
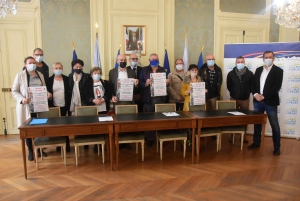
(73, 45)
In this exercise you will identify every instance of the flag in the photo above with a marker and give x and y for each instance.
(97, 61)
(200, 61)
(74, 56)
(117, 65)
(166, 63)
(127, 38)
(185, 54)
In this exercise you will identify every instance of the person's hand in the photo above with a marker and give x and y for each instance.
(167, 81)
(25, 100)
(147, 82)
(114, 99)
(49, 95)
(187, 91)
(206, 90)
(136, 82)
(181, 99)
(259, 97)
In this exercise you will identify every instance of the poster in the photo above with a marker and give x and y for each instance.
(197, 93)
(158, 84)
(38, 99)
(125, 89)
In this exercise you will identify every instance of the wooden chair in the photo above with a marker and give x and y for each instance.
(136, 137)
(81, 140)
(171, 135)
(206, 132)
(230, 104)
(45, 142)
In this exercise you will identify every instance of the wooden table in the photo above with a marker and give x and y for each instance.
(66, 126)
(218, 118)
(149, 122)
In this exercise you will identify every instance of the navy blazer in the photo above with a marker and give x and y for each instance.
(49, 84)
(272, 85)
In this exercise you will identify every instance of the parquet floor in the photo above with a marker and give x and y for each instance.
(230, 174)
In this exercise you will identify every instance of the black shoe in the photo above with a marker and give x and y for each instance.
(44, 153)
(58, 149)
(86, 146)
(95, 149)
(276, 152)
(30, 156)
(149, 143)
(253, 146)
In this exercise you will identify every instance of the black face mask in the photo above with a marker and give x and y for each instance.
(78, 71)
(123, 64)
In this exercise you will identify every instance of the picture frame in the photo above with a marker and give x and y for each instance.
(134, 37)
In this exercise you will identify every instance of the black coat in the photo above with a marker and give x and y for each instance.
(49, 84)
(89, 92)
(272, 85)
(239, 89)
(85, 77)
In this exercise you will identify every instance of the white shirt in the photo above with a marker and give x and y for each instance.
(58, 93)
(122, 74)
(263, 78)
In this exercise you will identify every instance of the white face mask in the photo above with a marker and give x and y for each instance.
(39, 59)
(134, 63)
(193, 74)
(268, 62)
(179, 67)
(31, 67)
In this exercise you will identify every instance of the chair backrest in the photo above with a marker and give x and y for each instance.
(195, 108)
(225, 104)
(168, 107)
(53, 112)
(86, 110)
(126, 109)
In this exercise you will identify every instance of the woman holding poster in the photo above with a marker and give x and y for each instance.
(29, 77)
(185, 91)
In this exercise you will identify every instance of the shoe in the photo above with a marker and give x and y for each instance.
(44, 153)
(58, 149)
(276, 152)
(149, 143)
(30, 156)
(253, 146)
(95, 149)
(86, 146)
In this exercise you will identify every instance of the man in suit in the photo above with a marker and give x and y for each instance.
(137, 69)
(133, 42)
(266, 83)
(149, 102)
(120, 72)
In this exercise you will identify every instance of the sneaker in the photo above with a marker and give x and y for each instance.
(30, 156)
(253, 146)
(276, 152)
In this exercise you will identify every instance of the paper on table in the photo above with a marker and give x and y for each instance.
(107, 118)
(38, 121)
(236, 113)
(170, 114)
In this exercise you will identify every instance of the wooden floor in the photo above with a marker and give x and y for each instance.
(230, 174)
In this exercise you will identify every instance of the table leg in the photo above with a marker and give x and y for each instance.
(24, 157)
(111, 142)
(193, 145)
(198, 145)
(263, 126)
(117, 149)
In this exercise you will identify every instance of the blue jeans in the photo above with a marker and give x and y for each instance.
(273, 119)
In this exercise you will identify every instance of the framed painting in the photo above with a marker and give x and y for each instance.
(134, 37)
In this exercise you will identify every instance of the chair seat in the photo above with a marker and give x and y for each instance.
(88, 138)
(233, 128)
(171, 134)
(131, 136)
(49, 140)
(210, 130)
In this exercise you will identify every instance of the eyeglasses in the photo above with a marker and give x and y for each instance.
(134, 59)
(122, 60)
(38, 54)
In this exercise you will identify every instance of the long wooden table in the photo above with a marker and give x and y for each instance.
(66, 126)
(218, 118)
(149, 122)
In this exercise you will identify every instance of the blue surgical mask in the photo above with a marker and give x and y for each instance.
(57, 72)
(31, 67)
(268, 62)
(210, 62)
(96, 77)
(240, 66)
(154, 63)
(134, 63)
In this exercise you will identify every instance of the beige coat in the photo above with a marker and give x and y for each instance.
(175, 86)
(19, 92)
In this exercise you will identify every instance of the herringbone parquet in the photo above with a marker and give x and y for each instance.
(230, 174)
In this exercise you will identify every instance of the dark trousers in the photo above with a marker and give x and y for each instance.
(28, 140)
(179, 106)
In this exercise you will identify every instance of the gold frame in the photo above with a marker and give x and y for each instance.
(140, 42)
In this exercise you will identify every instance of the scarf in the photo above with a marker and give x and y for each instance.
(240, 73)
(76, 99)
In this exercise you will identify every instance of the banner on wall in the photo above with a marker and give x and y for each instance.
(287, 57)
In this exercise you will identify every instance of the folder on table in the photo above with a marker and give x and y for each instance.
(38, 121)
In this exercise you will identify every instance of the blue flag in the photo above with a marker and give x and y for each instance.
(166, 63)
(117, 65)
(74, 58)
(97, 61)
(200, 61)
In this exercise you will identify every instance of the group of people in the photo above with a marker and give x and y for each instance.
(82, 89)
